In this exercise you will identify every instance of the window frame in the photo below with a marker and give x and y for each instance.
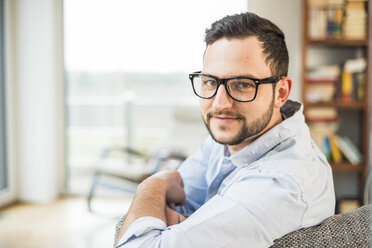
(7, 19)
(3, 126)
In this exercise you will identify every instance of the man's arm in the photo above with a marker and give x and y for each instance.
(256, 210)
(193, 172)
(152, 197)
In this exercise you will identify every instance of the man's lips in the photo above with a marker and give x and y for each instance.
(224, 118)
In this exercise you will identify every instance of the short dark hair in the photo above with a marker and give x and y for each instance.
(248, 24)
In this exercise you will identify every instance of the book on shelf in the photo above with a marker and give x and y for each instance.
(353, 80)
(324, 3)
(324, 72)
(322, 83)
(327, 83)
(331, 149)
(327, 148)
(334, 22)
(347, 86)
(361, 86)
(317, 23)
(325, 22)
(323, 124)
(320, 92)
(337, 19)
(321, 115)
(335, 150)
(355, 65)
(349, 149)
(355, 20)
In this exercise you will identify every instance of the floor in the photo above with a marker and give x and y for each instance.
(64, 223)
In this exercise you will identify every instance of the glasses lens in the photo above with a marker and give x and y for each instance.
(204, 86)
(242, 89)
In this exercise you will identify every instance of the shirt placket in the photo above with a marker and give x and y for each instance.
(226, 168)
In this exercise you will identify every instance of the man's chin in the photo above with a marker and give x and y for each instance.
(225, 138)
(225, 134)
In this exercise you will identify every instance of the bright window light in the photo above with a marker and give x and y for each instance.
(147, 35)
(127, 65)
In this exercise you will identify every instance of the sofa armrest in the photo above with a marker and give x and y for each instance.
(351, 229)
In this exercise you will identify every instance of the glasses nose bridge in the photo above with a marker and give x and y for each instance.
(222, 81)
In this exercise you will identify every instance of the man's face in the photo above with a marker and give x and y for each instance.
(228, 121)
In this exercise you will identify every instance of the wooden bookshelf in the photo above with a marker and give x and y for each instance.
(338, 42)
(359, 108)
(347, 167)
(338, 104)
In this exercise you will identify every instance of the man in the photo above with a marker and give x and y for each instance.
(259, 175)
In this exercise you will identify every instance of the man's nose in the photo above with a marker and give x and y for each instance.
(222, 100)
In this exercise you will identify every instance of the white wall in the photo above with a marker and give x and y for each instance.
(287, 15)
(37, 69)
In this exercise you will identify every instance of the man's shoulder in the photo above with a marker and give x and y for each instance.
(297, 157)
(310, 181)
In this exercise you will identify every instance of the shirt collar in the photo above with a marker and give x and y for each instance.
(293, 118)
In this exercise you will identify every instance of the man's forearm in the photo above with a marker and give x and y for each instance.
(149, 201)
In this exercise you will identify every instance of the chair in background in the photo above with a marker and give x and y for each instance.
(134, 172)
(186, 133)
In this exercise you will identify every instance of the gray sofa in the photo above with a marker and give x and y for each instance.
(349, 230)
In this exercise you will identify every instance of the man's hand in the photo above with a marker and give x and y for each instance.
(173, 217)
(153, 197)
(175, 193)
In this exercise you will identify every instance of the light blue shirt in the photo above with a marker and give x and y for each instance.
(279, 183)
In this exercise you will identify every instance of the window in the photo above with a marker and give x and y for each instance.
(126, 66)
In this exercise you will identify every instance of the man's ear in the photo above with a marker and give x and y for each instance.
(282, 91)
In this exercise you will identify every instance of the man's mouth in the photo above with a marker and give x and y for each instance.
(224, 118)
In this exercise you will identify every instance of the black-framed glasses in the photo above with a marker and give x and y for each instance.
(241, 89)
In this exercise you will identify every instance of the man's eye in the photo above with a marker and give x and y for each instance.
(241, 85)
(209, 83)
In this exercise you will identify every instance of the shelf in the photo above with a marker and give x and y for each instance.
(338, 104)
(338, 42)
(346, 167)
(354, 116)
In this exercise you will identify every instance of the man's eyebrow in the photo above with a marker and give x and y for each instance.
(249, 75)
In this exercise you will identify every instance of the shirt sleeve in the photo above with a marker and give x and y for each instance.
(251, 213)
(193, 172)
